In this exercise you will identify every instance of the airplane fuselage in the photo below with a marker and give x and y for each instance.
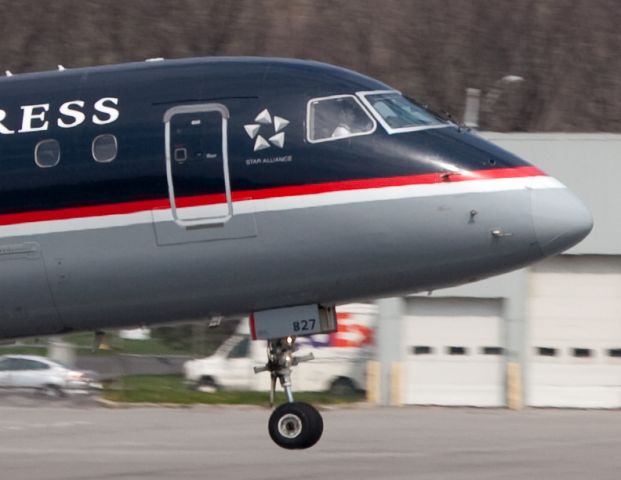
(177, 190)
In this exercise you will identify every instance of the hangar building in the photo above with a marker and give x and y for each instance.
(548, 335)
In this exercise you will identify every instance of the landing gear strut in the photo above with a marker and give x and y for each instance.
(292, 425)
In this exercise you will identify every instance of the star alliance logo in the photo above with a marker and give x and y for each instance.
(265, 118)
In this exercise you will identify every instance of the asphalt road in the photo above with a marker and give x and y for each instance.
(53, 442)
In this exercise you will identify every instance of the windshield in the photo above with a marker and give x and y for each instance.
(399, 112)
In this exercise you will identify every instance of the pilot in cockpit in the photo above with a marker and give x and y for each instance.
(346, 125)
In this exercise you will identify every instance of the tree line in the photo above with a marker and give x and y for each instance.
(566, 50)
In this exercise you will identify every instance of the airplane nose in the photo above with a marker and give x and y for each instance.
(560, 219)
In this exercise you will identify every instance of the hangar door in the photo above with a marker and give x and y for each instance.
(575, 332)
(453, 352)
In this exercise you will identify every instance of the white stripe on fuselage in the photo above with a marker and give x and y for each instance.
(284, 203)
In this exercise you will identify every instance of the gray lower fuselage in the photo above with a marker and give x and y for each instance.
(158, 272)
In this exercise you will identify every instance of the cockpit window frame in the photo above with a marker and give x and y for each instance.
(390, 130)
(341, 137)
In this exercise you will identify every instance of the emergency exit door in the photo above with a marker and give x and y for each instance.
(197, 166)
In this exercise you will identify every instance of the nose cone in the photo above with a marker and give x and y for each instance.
(561, 220)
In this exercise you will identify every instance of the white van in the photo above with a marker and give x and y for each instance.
(339, 365)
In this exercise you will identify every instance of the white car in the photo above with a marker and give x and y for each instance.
(44, 375)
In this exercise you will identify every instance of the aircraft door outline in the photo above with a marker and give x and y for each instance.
(180, 156)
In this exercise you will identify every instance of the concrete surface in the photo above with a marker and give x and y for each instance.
(53, 442)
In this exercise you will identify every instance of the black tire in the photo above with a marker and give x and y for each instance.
(207, 385)
(52, 391)
(295, 425)
(343, 386)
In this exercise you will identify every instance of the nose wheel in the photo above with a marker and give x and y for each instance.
(295, 425)
(292, 425)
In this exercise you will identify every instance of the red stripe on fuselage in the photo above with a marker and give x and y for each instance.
(276, 192)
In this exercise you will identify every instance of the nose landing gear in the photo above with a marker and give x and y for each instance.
(292, 425)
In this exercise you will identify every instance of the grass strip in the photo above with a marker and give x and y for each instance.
(172, 389)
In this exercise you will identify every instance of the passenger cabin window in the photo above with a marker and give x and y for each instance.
(335, 118)
(398, 113)
(105, 148)
(47, 153)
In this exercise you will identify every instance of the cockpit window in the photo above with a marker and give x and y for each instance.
(335, 118)
(397, 113)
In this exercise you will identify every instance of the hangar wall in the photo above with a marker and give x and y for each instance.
(549, 335)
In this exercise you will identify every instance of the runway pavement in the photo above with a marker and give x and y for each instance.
(86, 442)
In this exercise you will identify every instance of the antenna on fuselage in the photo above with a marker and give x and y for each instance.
(8, 73)
(61, 68)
